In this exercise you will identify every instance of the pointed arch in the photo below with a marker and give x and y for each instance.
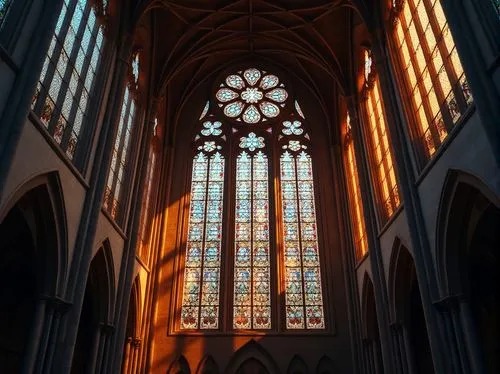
(461, 192)
(42, 199)
(297, 366)
(179, 366)
(401, 278)
(101, 280)
(33, 248)
(208, 366)
(368, 310)
(252, 350)
(325, 366)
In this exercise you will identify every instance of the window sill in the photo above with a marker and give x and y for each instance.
(361, 260)
(55, 147)
(304, 333)
(390, 220)
(445, 144)
(113, 223)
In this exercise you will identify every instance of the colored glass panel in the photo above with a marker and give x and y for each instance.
(252, 284)
(4, 8)
(303, 290)
(117, 170)
(251, 96)
(200, 298)
(383, 165)
(436, 82)
(68, 73)
(355, 203)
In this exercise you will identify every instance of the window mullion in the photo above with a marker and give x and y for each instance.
(203, 239)
(299, 244)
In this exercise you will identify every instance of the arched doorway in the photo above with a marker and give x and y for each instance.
(29, 245)
(470, 265)
(409, 326)
(132, 339)
(93, 327)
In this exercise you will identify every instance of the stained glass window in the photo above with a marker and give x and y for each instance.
(4, 8)
(382, 159)
(66, 83)
(496, 4)
(147, 206)
(200, 298)
(252, 284)
(303, 290)
(117, 171)
(252, 96)
(436, 82)
(355, 203)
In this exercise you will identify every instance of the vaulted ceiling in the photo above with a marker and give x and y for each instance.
(195, 39)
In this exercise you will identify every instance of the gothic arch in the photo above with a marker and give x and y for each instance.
(41, 202)
(101, 279)
(468, 257)
(32, 265)
(208, 366)
(297, 366)
(179, 366)
(460, 194)
(369, 318)
(325, 366)
(252, 350)
(401, 277)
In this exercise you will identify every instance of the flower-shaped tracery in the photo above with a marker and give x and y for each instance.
(211, 128)
(251, 96)
(292, 128)
(252, 142)
(209, 146)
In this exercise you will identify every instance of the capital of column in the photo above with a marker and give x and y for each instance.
(107, 328)
(449, 302)
(56, 304)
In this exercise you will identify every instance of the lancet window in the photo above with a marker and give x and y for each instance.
(435, 82)
(4, 8)
(66, 84)
(249, 130)
(353, 186)
(382, 162)
(113, 195)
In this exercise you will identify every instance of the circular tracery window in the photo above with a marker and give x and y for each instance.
(251, 96)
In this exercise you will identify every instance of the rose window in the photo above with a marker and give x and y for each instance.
(252, 96)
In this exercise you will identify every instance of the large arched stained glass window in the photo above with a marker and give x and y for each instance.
(200, 297)
(252, 286)
(250, 130)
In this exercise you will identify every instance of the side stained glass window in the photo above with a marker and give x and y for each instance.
(117, 172)
(200, 297)
(252, 273)
(66, 83)
(4, 9)
(382, 158)
(355, 203)
(147, 206)
(303, 291)
(436, 82)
